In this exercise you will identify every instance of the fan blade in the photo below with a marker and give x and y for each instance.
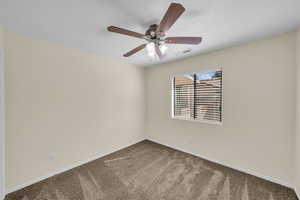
(125, 32)
(173, 13)
(183, 40)
(158, 52)
(133, 51)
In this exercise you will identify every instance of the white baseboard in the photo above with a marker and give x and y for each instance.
(297, 193)
(36, 180)
(268, 178)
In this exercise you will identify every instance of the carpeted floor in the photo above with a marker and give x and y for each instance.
(149, 171)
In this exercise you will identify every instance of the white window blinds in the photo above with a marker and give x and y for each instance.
(198, 96)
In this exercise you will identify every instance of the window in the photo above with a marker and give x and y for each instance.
(198, 96)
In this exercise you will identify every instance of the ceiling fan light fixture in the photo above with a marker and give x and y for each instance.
(150, 48)
(163, 48)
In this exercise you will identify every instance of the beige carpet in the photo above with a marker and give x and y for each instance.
(149, 171)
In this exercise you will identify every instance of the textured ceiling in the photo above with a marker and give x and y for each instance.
(82, 24)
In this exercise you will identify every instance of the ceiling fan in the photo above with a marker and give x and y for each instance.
(155, 35)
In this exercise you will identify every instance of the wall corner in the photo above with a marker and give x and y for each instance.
(2, 118)
(297, 131)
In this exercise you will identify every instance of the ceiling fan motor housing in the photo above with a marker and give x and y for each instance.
(152, 32)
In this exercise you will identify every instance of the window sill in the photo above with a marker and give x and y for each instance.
(199, 121)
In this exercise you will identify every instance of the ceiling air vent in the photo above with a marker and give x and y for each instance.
(186, 51)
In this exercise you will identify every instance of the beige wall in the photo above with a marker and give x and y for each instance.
(259, 108)
(2, 172)
(1, 38)
(64, 107)
(297, 140)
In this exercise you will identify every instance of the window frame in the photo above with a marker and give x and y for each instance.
(198, 120)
